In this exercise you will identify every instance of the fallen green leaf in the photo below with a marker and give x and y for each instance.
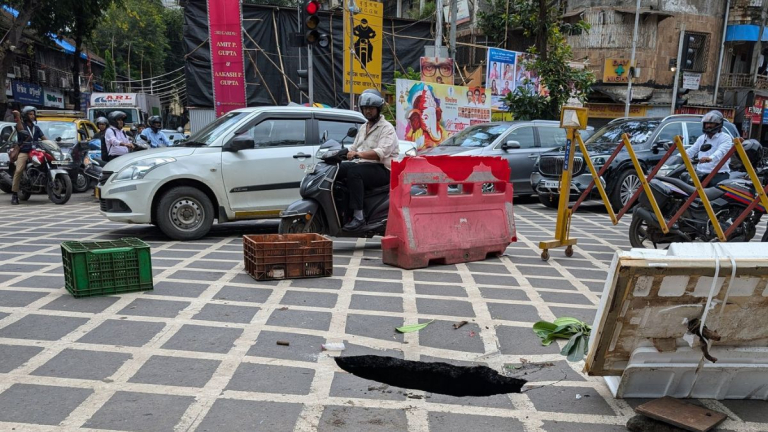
(413, 327)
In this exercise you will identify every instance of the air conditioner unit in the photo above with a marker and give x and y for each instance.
(25, 71)
(41, 76)
(65, 82)
(17, 71)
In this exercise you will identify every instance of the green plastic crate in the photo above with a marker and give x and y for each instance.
(106, 267)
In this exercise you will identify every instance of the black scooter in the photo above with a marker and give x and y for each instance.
(324, 207)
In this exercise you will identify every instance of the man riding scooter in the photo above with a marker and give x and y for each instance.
(717, 144)
(375, 146)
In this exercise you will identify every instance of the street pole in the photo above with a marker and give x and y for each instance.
(351, 7)
(310, 77)
(632, 61)
(298, 31)
(439, 25)
(722, 51)
(758, 49)
(454, 11)
(677, 69)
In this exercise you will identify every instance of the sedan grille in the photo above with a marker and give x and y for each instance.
(553, 165)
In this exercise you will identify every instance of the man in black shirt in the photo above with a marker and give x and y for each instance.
(28, 133)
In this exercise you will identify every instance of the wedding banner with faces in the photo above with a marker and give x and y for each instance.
(506, 72)
(429, 113)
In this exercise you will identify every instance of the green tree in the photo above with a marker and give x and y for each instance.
(110, 75)
(552, 55)
(84, 18)
(134, 32)
(41, 16)
(173, 20)
(428, 11)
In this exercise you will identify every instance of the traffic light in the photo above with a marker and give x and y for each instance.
(312, 34)
(689, 52)
(679, 101)
(304, 85)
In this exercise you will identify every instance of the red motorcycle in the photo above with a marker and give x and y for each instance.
(45, 173)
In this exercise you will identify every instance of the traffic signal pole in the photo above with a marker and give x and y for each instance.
(310, 75)
(351, 6)
(677, 69)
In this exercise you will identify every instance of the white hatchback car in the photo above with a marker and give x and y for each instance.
(248, 164)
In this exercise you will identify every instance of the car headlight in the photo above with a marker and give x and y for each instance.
(411, 152)
(140, 168)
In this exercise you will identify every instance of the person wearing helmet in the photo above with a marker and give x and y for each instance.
(721, 143)
(102, 124)
(375, 146)
(154, 136)
(116, 140)
(27, 133)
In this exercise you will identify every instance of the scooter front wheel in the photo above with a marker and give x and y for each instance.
(298, 225)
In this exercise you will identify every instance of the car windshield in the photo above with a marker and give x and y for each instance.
(476, 136)
(210, 133)
(638, 130)
(53, 130)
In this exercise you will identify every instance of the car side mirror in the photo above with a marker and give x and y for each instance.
(352, 132)
(510, 145)
(58, 139)
(240, 142)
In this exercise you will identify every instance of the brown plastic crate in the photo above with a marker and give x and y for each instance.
(287, 256)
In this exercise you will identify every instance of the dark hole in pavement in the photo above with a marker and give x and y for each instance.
(439, 378)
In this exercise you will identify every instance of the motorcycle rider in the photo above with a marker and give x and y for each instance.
(28, 133)
(375, 145)
(154, 136)
(712, 126)
(116, 140)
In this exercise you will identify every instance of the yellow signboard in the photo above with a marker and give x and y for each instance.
(367, 34)
(612, 111)
(616, 71)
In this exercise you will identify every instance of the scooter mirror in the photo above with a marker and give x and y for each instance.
(352, 132)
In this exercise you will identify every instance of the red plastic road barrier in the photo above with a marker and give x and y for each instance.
(448, 228)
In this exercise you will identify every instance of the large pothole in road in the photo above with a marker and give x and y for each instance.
(441, 378)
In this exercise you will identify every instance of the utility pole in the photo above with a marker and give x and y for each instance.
(439, 25)
(631, 74)
(454, 11)
(758, 49)
(310, 76)
(299, 32)
(677, 69)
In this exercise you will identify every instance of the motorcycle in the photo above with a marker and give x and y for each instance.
(324, 207)
(728, 199)
(85, 171)
(44, 173)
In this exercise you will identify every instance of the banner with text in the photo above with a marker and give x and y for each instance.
(367, 33)
(54, 98)
(428, 113)
(227, 66)
(27, 94)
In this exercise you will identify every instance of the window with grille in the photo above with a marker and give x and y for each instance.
(695, 52)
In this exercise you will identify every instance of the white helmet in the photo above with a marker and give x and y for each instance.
(715, 117)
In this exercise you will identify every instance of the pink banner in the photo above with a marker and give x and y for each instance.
(225, 28)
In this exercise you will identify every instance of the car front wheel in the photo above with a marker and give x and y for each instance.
(626, 186)
(185, 213)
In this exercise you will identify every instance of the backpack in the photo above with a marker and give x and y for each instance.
(104, 150)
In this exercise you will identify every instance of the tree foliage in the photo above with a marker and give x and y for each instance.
(173, 20)
(109, 72)
(134, 27)
(552, 55)
(428, 12)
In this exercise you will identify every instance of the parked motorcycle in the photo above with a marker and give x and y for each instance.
(324, 207)
(44, 173)
(728, 199)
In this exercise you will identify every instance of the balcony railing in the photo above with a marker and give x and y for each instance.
(742, 80)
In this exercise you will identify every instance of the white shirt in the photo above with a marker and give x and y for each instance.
(721, 144)
(382, 138)
(114, 137)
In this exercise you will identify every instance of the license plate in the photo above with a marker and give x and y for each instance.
(97, 193)
(59, 162)
(551, 184)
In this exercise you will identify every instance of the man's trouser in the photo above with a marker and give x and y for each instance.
(361, 176)
(21, 165)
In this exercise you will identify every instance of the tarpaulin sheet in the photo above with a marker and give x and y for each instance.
(264, 81)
